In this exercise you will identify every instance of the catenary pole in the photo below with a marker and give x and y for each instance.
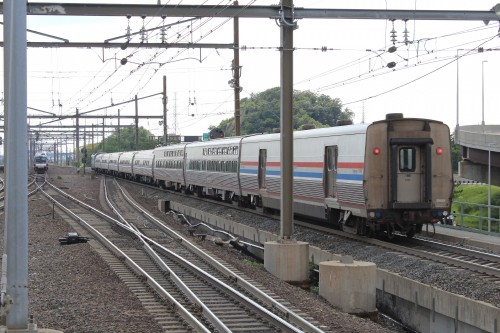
(165, 127)
(236, 75)
(286, 114)
(16, 195)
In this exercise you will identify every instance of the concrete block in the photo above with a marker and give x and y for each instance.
(287, 260)
(349, 286)
(163, 205)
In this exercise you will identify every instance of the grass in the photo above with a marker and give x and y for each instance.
(255, 264)
(473, 212)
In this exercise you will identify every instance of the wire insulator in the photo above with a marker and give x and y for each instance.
(393, 34)
(406, 34)
(163, 33)
(143, 32)
(127, 30)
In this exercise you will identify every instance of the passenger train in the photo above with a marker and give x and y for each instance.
(40, 164)
(394, 175)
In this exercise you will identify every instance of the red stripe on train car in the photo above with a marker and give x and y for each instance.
(351, 165)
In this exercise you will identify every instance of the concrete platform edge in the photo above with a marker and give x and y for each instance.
(455, 309)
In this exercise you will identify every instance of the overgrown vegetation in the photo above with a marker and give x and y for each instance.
(474, 212)
(255, 264)
(313, 278)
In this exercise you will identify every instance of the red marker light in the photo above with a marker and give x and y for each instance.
(439, 151)
(376, 151)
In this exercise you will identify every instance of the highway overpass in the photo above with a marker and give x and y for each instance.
(477, 142)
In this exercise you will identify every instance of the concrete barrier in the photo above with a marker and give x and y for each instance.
(349, 285)
(420, 306)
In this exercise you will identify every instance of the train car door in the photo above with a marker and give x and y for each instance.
(262, 168)
(330, 171)
(409, 174)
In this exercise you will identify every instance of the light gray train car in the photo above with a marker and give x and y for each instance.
(211, 168)
(142, 167)
(125, 164)
(113, 166)
(169, 166)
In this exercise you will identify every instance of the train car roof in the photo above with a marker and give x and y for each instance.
(217, 142)
(145, 152)
(126, 153)
(318, 132)
(400, 117)
(171, 147)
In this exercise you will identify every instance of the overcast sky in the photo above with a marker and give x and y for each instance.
(353, 68)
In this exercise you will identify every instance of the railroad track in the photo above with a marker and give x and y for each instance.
(187, 294)
(31, 184)
(480, 262)
(454, 255)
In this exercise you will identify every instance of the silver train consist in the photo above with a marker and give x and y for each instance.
(392, 175)
(41, 163)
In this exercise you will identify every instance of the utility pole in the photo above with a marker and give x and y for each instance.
(15, 256)
(286, 115)
(103, 124)
(84, 159)
(136, 123)
(78, 138)
(118, 130)
(236, 74)
(165, 127)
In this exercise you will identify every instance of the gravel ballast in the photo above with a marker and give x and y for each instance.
(72, 289)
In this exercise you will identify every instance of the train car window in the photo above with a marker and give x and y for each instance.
(407, 159)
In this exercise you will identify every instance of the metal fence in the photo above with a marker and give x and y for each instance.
(475, 216)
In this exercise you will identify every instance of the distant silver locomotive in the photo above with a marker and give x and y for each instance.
(392, 175)
(40, 162)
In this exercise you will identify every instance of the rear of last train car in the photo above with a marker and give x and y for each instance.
(408, 180)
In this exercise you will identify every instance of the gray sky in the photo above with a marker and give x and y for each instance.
(353, 69)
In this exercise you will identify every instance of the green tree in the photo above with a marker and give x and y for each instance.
(261, 112)
(456, 155)
(127, 141)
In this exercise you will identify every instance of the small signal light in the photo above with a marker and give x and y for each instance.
(376, 151)
(439, 151)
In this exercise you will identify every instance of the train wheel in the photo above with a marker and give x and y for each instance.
(410, 233)
(430, 232)
(390, 231)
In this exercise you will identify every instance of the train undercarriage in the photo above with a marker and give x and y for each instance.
(370, 227)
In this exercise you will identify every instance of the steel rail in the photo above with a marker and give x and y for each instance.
(214, 320)
(290, 315)
(183, 312)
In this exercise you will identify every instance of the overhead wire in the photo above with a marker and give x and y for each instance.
(419, 77)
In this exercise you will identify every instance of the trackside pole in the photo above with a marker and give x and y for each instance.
(16, 191)
(287, 259)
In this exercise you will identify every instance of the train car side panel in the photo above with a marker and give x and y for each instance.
(113, 167)
(142, 169)
(169, 163)
(212, 168)
(125, 164)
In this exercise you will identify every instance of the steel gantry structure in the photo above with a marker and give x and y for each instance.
(285, 14)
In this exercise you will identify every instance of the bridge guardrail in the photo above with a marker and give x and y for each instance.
(475, 216)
